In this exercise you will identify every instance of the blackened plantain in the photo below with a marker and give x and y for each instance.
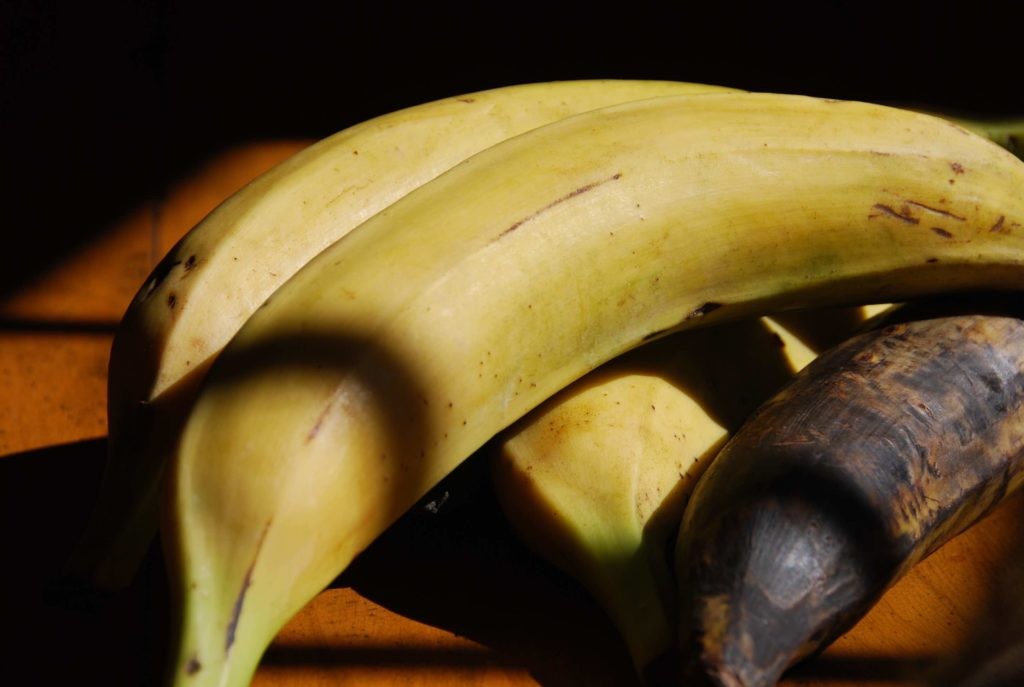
(876, 454)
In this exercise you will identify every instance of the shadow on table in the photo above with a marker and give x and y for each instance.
(54, 638)
(451, 562)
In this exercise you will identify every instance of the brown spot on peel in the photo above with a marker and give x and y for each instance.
(942, 232)
(887, 210)
(315, 429)
(957, 168)
(159, 275)
(937, 211)
(236, 611)
(999, 226)
(193, 666)
(172, 300)
(572, 194)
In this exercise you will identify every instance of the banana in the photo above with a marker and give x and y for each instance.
(402, 348)
(160, 357)
(261, 236)
(880, 451)
(226, 266)
(594, 480)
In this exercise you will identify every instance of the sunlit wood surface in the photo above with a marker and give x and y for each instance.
(446, 599)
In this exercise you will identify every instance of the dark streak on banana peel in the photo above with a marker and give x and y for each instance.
(876, 454)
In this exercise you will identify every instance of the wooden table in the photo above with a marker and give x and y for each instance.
(441, 599)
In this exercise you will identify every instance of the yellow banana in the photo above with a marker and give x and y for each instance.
(404, 347)
(226, 266)
(595, 479)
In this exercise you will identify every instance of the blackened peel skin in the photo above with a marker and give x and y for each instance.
(876, 454)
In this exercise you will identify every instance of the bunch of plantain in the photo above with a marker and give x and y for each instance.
(873, 456)
(225, 267)
(595, 479)
(297, 405)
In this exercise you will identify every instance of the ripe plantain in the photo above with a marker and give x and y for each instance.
(226, 266)
(404, 347)
(880, 451)
(595, 479)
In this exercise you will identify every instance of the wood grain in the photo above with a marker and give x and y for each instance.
(441, 599)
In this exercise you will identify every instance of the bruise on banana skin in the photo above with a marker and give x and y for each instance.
(905, 213)
(879, 452)
(164, 269)
(883, 209)
(571, 194)
(1001, 226)
(236, 611)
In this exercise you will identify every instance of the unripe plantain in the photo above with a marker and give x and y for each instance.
(404, 347)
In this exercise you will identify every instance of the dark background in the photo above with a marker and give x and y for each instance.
(103, 104)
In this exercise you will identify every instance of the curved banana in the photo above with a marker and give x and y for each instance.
(398, 351)
(227, 265)
(879, 452)
(594, 480)
(261, 236)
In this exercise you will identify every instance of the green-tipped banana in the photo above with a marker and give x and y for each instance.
(404, 347)
(226, 266)
(1009, 133)
(595, 479)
